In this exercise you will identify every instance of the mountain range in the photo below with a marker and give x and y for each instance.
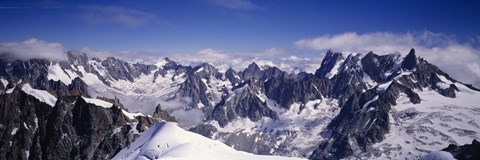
(362, 106)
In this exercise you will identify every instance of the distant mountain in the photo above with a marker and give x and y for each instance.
(367, 106)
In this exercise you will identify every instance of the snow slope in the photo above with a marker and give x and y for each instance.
(98, 102)
(41, 95)
(418, 129)
(165, 140)
(437, 155)
(295, 133)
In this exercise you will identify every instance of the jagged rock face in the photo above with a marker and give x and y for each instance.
(35, 71)
(207, 71)
(328, 63)
(15, 70)
(171, 65)
(72, 129)
(349, 79)
(253, 71)
(204, 130)
(363, 121)
(119, 69)
(245, 103)
(233, 77)
(194, 88)
(381, 68)
(159, 113)
(288, 91)
(22, 125)
(410, 61)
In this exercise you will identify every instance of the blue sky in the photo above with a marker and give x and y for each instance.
(166, 26)
(290, 34)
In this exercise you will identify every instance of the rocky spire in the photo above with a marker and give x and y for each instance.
(410, 60)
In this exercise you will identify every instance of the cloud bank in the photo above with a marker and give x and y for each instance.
(33, 48)
(238, 61)
(460, 60)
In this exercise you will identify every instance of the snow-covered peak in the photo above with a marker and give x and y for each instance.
(165, 140)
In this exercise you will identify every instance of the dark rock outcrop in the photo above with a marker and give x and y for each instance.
(72, 129)
(244, 103)
(410, 61)
(159, 113)
(465, 152)
(330, 60)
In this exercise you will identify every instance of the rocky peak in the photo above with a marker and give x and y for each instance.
(328, 63)
(253, 71)
(232, 76)
(252, 67)
(160, 113)
(77, 59)
(245, 103)
(410, 61)
(194, 88)
(170, 65)
(206, 70)
(381, 68)
(121, 70)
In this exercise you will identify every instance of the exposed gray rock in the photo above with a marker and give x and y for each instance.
(328, 63)
(206, 130)
(194, 88)
(72, 129)
(410, 61)
(159, 113)
(465, 152)
(244, 103)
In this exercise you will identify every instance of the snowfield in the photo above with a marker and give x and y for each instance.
(165, 140)
(419, 129)
(437, 155)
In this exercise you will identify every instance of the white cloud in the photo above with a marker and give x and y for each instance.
(222, 59)
(185, 117)
(235, 4)
(457, 59)
(117, 15)
(33, 48)
(188, 118)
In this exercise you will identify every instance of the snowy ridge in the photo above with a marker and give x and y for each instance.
(335, 69)
(165, 140)
(41, 95)
(98, 102)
